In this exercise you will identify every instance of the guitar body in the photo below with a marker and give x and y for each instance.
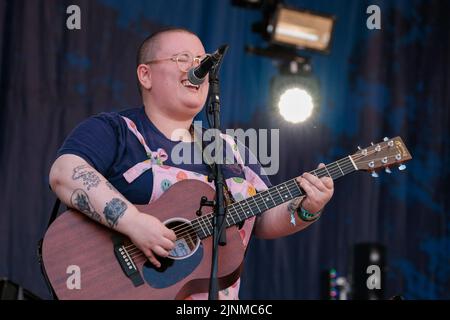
(80, 256)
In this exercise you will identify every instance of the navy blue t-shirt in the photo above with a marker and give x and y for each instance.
(106, 143)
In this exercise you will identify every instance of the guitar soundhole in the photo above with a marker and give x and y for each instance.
(187, 240)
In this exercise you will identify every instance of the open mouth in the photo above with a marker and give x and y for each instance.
(189, 85)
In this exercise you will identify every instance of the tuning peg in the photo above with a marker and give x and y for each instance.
(401, 167)
(372, 143)
(387, 170)
(374, 174)
(359, 148)
(385, 139)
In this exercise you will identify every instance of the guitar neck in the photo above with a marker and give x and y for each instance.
(272, 197)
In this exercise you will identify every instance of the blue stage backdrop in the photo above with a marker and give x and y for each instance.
(374, 83)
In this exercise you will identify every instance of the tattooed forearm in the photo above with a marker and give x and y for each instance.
(114, 210)
(90, 179)
(80, 201)
(111, 187)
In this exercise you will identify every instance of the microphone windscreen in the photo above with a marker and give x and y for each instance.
(192, 78)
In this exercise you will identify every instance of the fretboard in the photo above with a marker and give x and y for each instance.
(270, 198)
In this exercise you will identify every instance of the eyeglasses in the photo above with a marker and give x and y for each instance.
(185, 60)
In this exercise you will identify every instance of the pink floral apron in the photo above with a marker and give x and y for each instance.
(165, 176)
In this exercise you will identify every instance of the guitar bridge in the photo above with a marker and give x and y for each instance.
(126, 262)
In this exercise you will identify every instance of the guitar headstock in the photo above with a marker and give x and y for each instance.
(382, 155)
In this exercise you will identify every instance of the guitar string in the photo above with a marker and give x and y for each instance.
(191, 233)
(259, 201)
(332, 169)
(192, 229)
(192, 238)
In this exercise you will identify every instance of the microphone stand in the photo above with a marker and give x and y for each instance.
(219, 218)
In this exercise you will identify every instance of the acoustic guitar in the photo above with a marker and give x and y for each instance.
(109, 266)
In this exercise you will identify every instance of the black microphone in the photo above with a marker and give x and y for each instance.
(197, 75)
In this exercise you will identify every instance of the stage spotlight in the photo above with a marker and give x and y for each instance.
(295, 91)
(301, 29)
(295, 95)
(295, 105)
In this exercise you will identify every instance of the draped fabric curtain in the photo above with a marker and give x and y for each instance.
(374, 83)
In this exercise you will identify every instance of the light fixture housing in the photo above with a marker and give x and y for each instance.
(301, 29)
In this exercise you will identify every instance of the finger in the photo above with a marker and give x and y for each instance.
(151, 257)
(170, 234)
(313, 196)
(309, 188)
(320, 166)
(328, 182)
(167, 244)
(308, 202)
(314, 181)
(302, 182)
(160, 251)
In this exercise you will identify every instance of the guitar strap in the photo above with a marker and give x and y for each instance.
(54, 212)
(39, 248)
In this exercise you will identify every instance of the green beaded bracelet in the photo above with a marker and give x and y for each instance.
(306, 216)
